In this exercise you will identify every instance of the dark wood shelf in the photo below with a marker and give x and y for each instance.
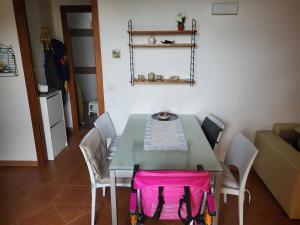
(165, 81)
(175, 45)
(161, 32)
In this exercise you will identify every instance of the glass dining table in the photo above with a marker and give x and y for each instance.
(131, 151)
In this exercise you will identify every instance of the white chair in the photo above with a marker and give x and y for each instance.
(241, 154)
(105, 126)
(95, 155)
(93, 107)
(213, 129)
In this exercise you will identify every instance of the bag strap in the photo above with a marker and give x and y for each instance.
(135, 169)
(185, 199)
(161, 202)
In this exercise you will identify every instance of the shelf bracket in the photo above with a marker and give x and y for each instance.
(131, 53)
(193, 45)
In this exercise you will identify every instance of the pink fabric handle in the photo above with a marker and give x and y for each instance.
(211, 205)
(132, 206)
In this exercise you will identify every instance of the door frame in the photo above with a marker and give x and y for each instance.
(93, 8)
(30, 80)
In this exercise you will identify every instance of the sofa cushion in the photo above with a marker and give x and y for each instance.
(286, 131)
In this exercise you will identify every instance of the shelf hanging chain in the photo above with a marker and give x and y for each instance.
(131, 53)
(193, 43)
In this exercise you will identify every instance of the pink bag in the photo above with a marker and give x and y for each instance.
(163, 194)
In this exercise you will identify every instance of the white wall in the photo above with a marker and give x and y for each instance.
(246, 68)
(38, 15)
(16, 134)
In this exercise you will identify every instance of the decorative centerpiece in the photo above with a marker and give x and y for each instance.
(151, 40)
(180, 22)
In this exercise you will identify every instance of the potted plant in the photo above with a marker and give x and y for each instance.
(180, 22)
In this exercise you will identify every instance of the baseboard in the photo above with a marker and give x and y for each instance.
(18, 163)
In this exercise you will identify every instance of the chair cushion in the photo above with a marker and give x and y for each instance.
(211, 131)
(228, 178)
(112, 148)
(97, 154)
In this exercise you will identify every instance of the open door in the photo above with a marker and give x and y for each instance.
(81, 38)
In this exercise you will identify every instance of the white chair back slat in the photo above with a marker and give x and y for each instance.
(216, 121)
(241, 154)
(105, 126)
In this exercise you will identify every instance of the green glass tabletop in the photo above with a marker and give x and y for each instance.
(130, 150)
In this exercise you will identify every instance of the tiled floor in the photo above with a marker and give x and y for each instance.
(60, 194)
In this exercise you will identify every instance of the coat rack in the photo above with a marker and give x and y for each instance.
(8, 66)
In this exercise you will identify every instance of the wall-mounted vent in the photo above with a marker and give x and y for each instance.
(224, 7)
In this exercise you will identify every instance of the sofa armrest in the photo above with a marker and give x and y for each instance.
(278, 165)
(286, 130)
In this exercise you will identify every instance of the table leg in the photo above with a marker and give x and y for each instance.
(113, 198)
(217, 189)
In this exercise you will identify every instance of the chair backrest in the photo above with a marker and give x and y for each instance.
(95, 154)
(241, 154)
(212, 128)
(105, 126)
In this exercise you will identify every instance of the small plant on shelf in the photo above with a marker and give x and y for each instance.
(180, 22)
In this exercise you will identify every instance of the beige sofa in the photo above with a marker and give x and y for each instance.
(278, 165)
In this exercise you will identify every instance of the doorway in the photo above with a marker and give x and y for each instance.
(32, 80)
(81, 37)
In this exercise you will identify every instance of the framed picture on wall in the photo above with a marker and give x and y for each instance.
(8, 65)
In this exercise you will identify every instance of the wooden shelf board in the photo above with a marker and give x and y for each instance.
(161, 32)
(175, 45)
(165, 81)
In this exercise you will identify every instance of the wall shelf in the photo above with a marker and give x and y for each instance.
(161, 32)
(165, 81)
(175, 45)
(191, 45)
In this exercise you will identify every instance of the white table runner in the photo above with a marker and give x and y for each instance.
(164, 135)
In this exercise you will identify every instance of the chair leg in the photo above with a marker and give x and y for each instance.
(241, 207)
(103, 191)
(93, 205)
(225, 198)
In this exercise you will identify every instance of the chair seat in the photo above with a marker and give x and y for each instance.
(112, 148)
(228, 179)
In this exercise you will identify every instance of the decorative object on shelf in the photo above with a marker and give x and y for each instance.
(141, 77)
(151, 76)
(189, 45)
(167, 42)
(180, 22)
(8, 66)
(151, 40)
(174, 78)
(159, 77)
